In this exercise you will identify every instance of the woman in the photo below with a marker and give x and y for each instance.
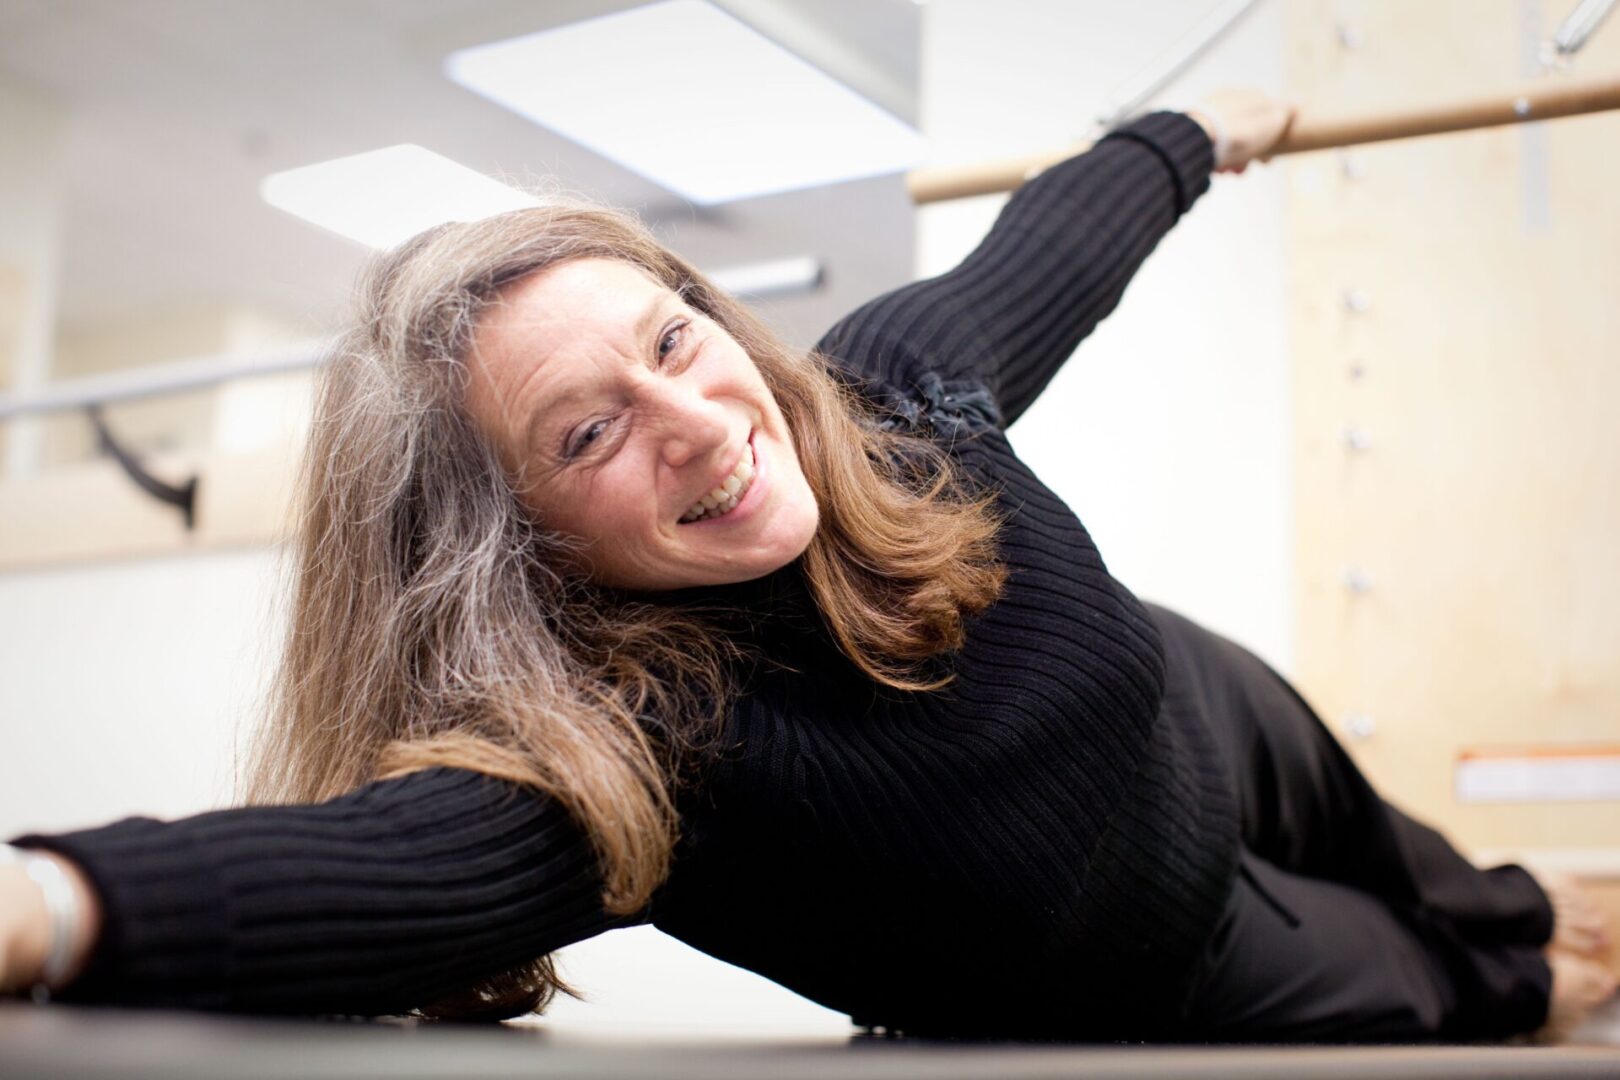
(611, 610)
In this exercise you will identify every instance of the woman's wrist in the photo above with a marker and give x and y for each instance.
(52, 918)
(25, 929)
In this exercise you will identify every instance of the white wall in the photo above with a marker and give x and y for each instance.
(121, 685)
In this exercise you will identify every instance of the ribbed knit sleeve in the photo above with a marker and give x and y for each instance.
(370, 904)
(1053, 266)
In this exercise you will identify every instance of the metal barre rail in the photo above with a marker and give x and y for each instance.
(753, 281)
(157, 379)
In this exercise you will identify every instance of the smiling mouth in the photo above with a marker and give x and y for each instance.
(724, 499)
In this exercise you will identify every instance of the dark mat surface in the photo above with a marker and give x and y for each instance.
(61, 1042)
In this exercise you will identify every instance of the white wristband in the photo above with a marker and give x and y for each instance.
(62, 905)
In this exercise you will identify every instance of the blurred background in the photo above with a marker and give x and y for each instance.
(1353, 413)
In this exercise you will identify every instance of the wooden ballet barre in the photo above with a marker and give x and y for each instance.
(1541, 102)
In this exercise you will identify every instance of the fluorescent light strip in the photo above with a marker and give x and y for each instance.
(384, 197)
(692, 99)
(777, 277)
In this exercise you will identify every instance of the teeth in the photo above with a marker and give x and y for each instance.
(724, 499)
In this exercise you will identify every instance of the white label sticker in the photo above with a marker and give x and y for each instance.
(1539, 778)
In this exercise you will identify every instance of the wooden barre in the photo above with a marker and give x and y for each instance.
(1308, 133)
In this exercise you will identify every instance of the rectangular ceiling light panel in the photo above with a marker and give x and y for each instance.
(384, 197)
(692, 99)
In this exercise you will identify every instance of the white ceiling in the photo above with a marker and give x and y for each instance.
(175, 109)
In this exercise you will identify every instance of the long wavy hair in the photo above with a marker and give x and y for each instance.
(434, 621)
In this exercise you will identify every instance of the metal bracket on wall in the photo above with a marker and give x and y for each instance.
(182, 498)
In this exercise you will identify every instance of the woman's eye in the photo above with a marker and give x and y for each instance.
(671, 340)
(586, 438)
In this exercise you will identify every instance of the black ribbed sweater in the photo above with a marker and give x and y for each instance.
(1039, 849)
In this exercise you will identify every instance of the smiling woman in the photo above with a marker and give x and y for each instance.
(591, 564)
(640, 426)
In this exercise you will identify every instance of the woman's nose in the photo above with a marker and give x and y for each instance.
(690, 425)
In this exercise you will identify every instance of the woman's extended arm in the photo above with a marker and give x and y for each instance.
(373, 903)
(1058, 258)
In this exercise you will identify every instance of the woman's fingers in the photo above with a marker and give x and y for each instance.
(1245, 125)
(1290, 114)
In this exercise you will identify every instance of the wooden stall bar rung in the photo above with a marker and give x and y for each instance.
(1542, 101)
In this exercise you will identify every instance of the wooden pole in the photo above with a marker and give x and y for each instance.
(1540, 102)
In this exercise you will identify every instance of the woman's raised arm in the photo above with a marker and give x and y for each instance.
(1058, 258)
(374, 903)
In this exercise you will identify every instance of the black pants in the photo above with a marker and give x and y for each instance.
(1349, 920)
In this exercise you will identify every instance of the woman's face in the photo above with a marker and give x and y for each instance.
(624, 416)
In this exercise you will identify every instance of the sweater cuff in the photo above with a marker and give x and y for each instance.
(159, 898)
(1184, 147)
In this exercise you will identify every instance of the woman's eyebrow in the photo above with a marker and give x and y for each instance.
(644, 325)
(543, 410)
(546, 415)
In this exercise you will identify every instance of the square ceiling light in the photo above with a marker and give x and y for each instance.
(384, 197)
(694, 100)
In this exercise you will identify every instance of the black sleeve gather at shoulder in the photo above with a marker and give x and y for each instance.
(1055, 264)
(374, 903)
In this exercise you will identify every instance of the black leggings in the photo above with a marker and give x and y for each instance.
(1348, 920)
